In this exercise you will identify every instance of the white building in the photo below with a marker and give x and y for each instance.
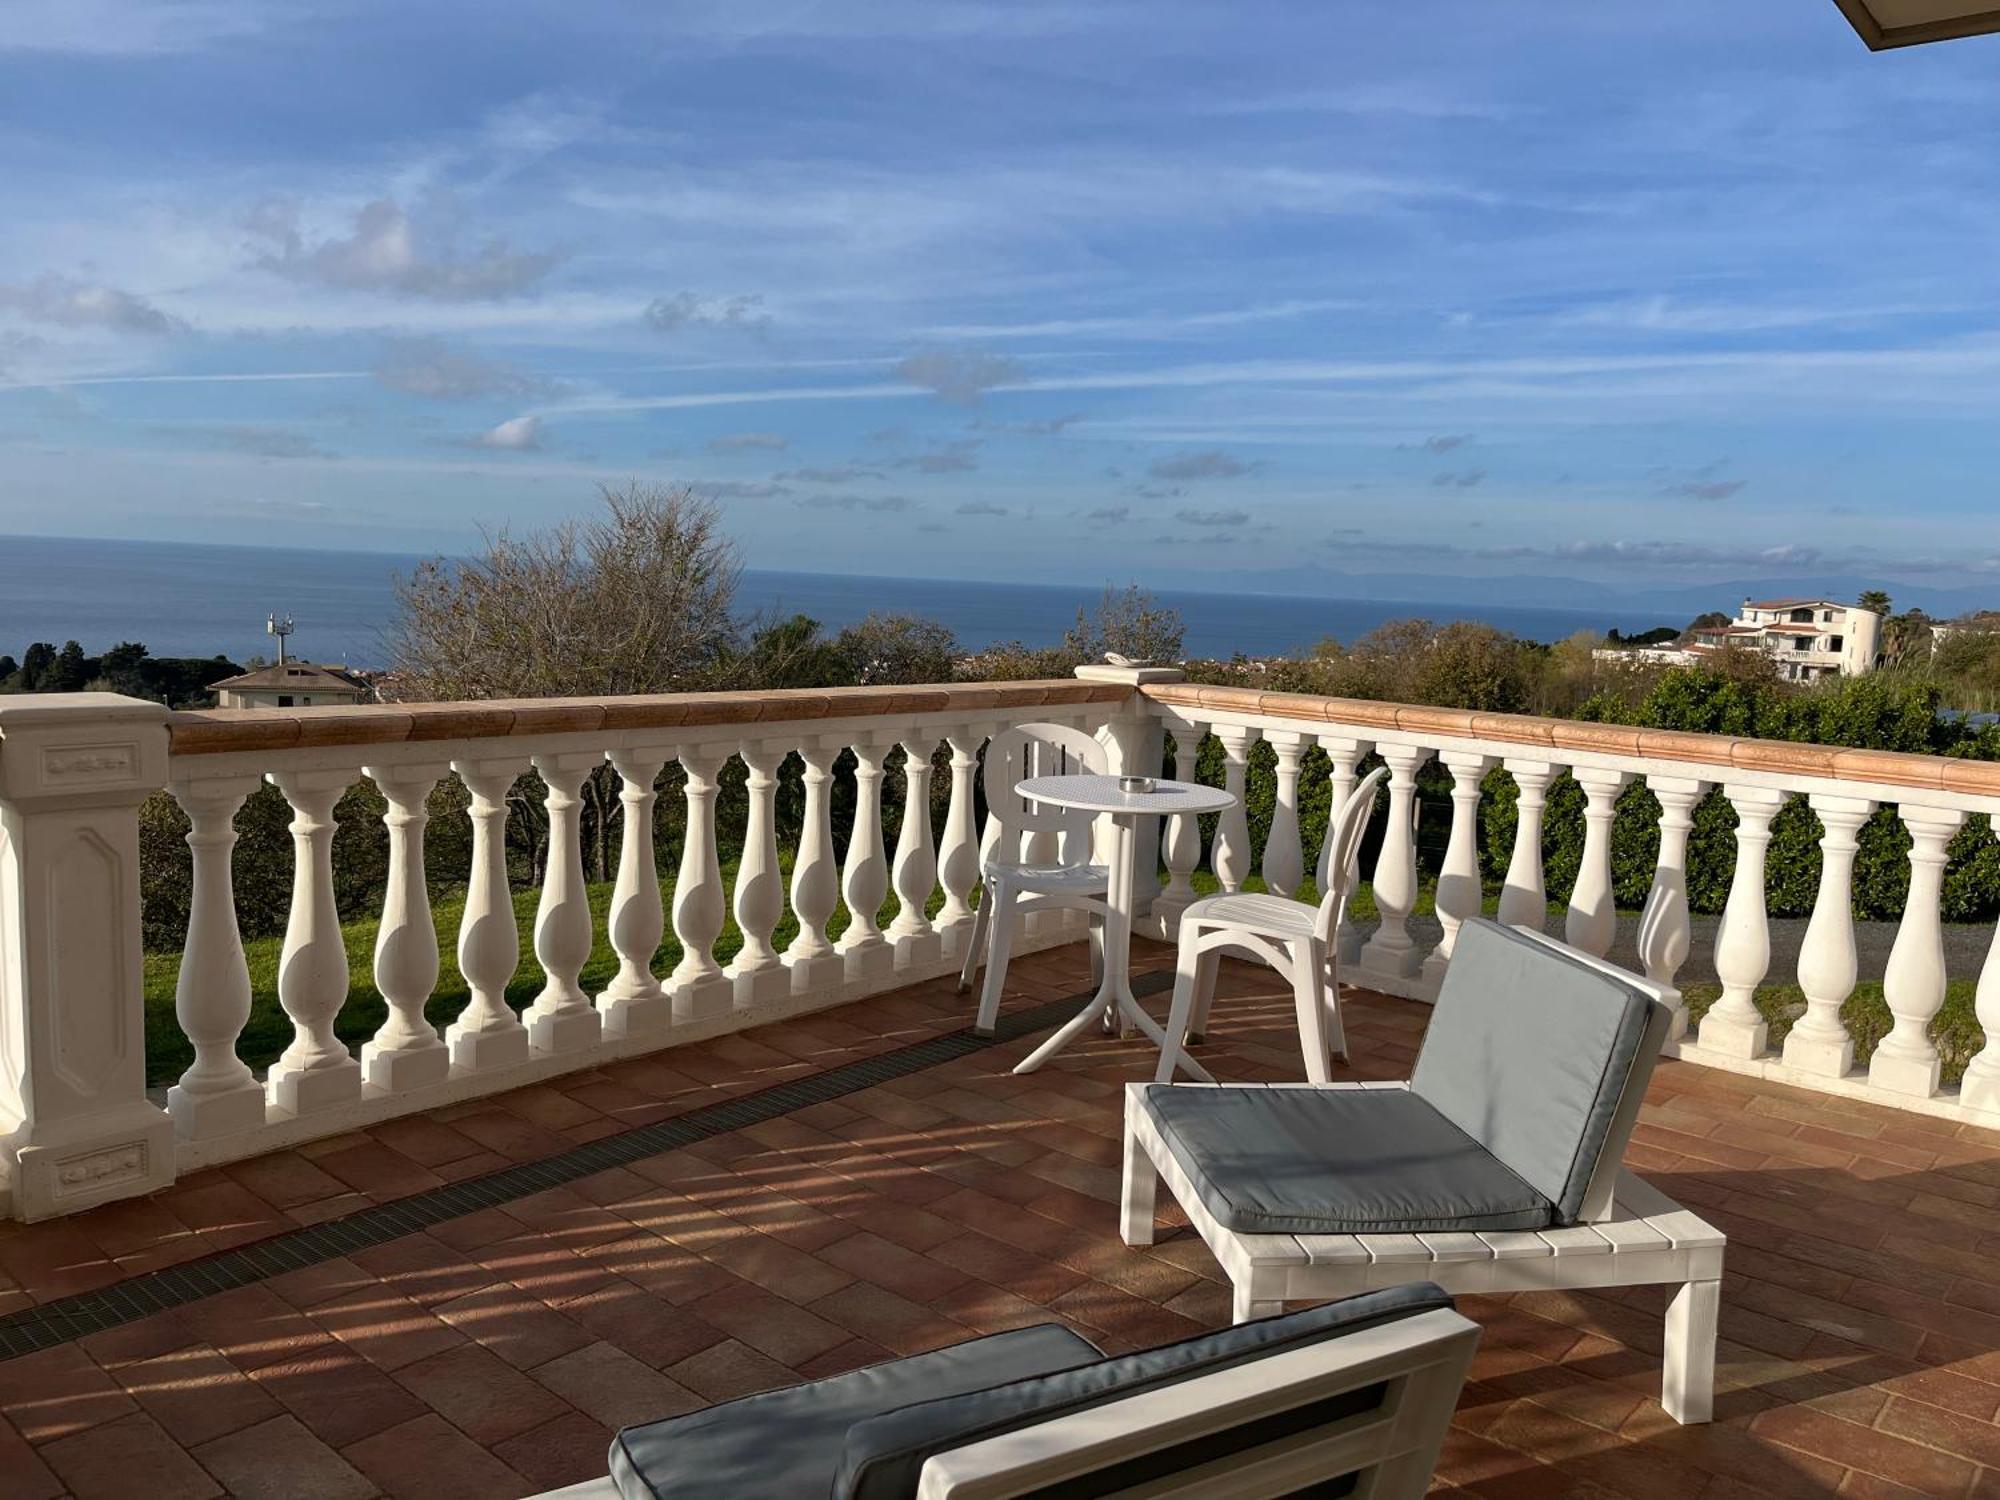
(1809, 638)
(290, 684)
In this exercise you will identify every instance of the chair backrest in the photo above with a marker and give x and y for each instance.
(1541, 1054)
(1350, 822)
(1027, 750)
(1276, 1407)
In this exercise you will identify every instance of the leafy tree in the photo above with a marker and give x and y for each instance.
(8, 669)
(1875, 599)
(70, 672)
(790, 653)
(1129, 621)
(36, 663)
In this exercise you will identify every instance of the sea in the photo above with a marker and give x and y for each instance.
(191, 599)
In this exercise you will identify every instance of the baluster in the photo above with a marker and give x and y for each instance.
(487, 1033)
(1734, 1026)
(1592, 919)
(867, 953)
(316, 1071)
(635, 1001)
(1389, 950)
(1524, 901)
(1230, 857)
(757, 972)
(1906, 1060)
(958, 852)
(917, 943)
(406, 1052)
(1818, 1043)
(816, 967)
(1980, 1088)
(701, 991)
(217, 1094)
(562, 1017)
(1664, 931)
(1458, 888)
(1284, 861)
(1181, 846)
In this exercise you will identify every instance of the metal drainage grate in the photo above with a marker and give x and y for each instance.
(70, 1318)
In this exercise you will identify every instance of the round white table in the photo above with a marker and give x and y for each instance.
(1100, 794)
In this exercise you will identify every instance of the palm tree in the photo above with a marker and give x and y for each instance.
(1874, 599)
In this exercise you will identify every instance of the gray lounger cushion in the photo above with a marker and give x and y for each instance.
(885, 1454)
(1337, 1161)
(1529, 1052)
(782, 1444)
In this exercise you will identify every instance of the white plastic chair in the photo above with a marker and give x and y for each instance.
(1295, 939)
(1013, 885)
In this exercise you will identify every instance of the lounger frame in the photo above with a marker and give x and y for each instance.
(1644, 1238)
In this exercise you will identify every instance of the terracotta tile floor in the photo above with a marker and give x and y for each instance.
(494, 1354)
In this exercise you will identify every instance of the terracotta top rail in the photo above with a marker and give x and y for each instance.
(1716, 751)
(217, 731)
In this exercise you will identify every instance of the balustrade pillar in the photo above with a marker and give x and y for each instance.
(1390, 950)
(218, 1094)
(316, 1071)
(958, 851)
(1592, 919)
(487, 1033)
(1230, 858)
(1459, 892)
(917, 943)
(867, 953)
(1284, 860)
(406, 1052)
(1181, 841)
(1524, 900)
(562, 1019)
(757, 971)
(700, 990)
(1819, 1042)
(815, 966)
(1664, 931)
(1980, 1088)
(74, 768)
(1906, 1060)
(1733, 1025)
(635, 1001)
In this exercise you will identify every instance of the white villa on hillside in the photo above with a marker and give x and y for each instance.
(1809, 638)
(291, 684)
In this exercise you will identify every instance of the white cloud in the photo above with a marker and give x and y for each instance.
(390, 251)
(515, 435)
(737, 442)
(1214, 463)
(66, 302)
(686, 310)
(960, 375)
(130, 28)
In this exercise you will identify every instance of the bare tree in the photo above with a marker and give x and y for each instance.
(636, 600)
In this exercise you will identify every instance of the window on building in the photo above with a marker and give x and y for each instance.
(1835, 643)
(284, 700)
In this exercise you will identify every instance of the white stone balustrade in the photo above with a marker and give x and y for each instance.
(73, 771)
(1932, 798)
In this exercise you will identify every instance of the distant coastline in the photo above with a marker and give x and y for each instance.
(195, 599)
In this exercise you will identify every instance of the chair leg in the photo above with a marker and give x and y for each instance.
(1307, 982)
(1245, 1305)
(1204, 994)
(1336, 1029)
(975, 941)
(1188, 965)
(1000, 943)
(1687, 1387)
(1136, 1199)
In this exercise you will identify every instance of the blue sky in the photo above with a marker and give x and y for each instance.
(1179, 292)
